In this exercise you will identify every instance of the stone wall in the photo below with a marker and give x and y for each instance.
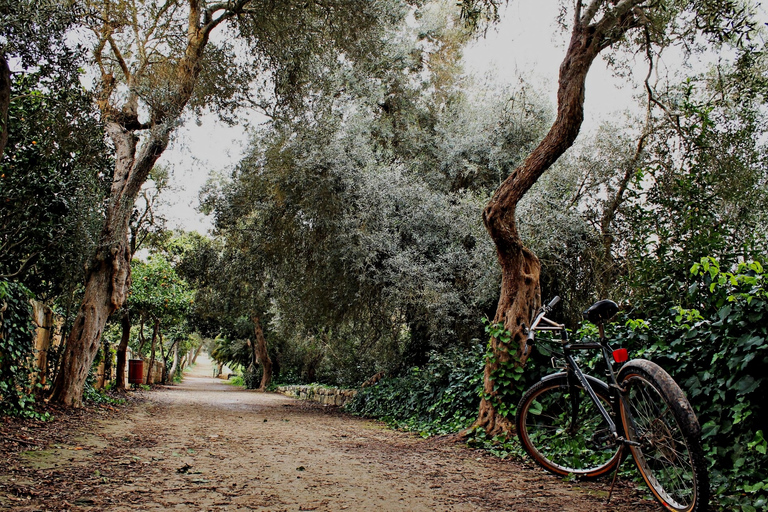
(315, 393)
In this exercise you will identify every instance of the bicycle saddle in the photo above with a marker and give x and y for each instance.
(601, 311)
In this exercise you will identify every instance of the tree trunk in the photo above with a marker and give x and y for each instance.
(520, 293)
(194, 356)
(155, 331)
(43, 316)
(5, 101)
(122, 349)
(105, 288)
(164, 376)
(175, 366)
(261, 353)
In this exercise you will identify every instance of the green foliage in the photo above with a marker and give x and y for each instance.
(718, 352)
(101, 397)
(237, 380)
(158, 291)
(507, 377)
(365, 219)
(441, 397)
(16, 334)
(252, 376)
(51, 182)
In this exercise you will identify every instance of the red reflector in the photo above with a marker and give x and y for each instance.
(620, 355)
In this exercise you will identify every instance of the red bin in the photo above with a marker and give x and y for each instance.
(136, 371)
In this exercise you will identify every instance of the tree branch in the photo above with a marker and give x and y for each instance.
(590, 13)
(24, 265)
(119, 57)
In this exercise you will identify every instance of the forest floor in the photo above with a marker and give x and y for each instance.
(206, 445)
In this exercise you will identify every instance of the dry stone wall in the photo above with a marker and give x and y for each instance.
(321, 394)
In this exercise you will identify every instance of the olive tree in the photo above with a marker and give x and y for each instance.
(595, 27)
(366, 220)
(152, 62)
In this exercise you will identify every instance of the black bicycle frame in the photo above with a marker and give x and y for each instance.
(573, 370)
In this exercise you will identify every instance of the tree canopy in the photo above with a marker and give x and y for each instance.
(351, 243)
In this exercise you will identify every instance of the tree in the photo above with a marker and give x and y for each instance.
(159, 296)
(159, 57)
(376, 202)
(34, 35)
(596, 26)
(52, 177)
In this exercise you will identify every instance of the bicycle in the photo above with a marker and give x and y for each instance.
(571, 423)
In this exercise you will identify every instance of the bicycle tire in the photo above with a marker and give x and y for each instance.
(585, 448)
(656, 414)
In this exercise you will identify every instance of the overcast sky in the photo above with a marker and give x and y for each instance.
(527, 42)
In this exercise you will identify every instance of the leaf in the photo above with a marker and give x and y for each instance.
(746, 384)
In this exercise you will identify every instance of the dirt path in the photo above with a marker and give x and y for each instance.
(206, 445)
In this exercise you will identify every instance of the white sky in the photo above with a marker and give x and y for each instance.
(528, 42)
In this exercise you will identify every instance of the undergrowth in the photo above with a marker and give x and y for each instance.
(440, 398)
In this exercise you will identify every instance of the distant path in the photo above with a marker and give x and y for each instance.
(206, 445)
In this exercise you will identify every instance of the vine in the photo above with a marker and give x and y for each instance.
(16, 331)
(508, 382)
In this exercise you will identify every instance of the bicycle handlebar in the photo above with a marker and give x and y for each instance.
(543, 311)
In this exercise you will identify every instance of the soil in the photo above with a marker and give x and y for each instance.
(207, 445)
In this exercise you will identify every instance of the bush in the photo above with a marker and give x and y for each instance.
(16, 349)
(440, 398)
(252, 376)
(718, 352)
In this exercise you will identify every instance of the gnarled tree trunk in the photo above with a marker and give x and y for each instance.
(520, 293)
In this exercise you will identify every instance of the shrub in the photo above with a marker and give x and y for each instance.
(440, 398)
(718, 353)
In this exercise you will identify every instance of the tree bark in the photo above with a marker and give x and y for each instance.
(175, 367)
(43, 316)
(262, 355)
(5, 101)
(122, 349)
(520, 293)
(194, 356)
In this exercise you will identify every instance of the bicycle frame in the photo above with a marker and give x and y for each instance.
(572, 367)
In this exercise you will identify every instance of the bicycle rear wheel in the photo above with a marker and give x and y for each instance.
(658, 417)
(564, 433)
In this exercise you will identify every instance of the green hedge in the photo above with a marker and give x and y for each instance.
(16, 350)
(440, 398)
(718, 352)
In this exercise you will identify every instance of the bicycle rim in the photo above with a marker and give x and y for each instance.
(656, 415)
(561, 442)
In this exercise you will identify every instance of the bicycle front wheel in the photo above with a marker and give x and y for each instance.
(561, 428)
(657, 416)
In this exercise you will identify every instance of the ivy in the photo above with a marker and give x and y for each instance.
(507, 377)
(439, 398)
(16, 334)
(717, 349)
